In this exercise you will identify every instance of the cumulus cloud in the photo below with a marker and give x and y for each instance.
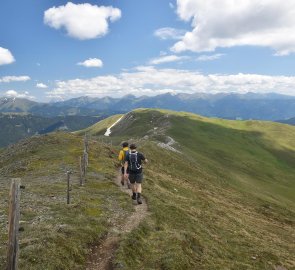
(91, 62)
(8, 79)
(82, 21)
(6, 57)
(41, 85)
(167, 59)
(228, 23)
(169, 33)
(211, 57)
(148, 80)
(15, 94)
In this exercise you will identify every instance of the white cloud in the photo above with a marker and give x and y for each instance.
(169, 33)
(148, 80)
(8, 79)
(15, 94)
(171, 5)
(41, 85)
(228, 23)
(6, 57)
(167, 59)
(82, 21)
(91, 62)
(211, 57)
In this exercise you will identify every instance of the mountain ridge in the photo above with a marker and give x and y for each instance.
(226, 190)
(224, 105)
(17, 126)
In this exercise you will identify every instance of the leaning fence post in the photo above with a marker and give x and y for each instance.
(86, 158)
(84, 163)
(81, 171)
(85, 143)
(13, 224)
(68, 186)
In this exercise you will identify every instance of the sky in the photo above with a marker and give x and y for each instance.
(57, 50)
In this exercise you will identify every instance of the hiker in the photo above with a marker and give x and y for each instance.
(122, 156)
(133, 164)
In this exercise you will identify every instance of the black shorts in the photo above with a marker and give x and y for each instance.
(136, 178)
(122, 170)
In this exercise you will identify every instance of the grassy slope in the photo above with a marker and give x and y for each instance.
(227, 202)
(57, 236)
(101, 127)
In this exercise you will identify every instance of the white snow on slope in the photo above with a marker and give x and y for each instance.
(108, 132)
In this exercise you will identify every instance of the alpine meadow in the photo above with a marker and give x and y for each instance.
(147, 135)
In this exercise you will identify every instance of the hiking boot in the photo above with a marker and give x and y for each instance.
(139, 201)
(133, 196)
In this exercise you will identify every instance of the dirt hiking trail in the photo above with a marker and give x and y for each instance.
(102, 255)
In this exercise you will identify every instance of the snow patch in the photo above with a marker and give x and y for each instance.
(108, 132)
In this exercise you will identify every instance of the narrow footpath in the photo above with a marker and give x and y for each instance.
(102, 256)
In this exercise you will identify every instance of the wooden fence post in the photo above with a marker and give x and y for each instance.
(13, 225)
(81, 171)
(84, 162)
(86, 143)
(86, 158)
(68, 186)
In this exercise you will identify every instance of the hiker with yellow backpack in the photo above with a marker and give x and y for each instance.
(122, 157)
(133, 172)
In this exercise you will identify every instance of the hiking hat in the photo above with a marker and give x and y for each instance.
(132, 146)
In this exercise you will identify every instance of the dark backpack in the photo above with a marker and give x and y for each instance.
(126, 153)
(134, 166)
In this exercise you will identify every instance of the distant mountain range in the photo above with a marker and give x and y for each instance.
(20, 105)
(290, 121)
(230, 106)
(22, 118)
(15, 127)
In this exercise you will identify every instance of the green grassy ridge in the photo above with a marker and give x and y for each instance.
(205, 223)
(226, 202)
(258, 160)
(100, 127)
(253, 152)
(57, 236)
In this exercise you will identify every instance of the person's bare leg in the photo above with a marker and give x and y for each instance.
(138, 187)
(133, 188)
(128, 183)
(138, 190)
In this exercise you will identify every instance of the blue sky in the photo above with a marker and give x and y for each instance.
(52, 50)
